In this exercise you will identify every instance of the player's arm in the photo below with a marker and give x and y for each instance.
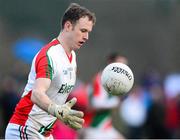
(39, 96)
(63, 112)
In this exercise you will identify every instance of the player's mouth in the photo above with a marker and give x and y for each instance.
(81, 43)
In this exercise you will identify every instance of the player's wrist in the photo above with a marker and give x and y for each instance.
(52, 109)
(58, 111)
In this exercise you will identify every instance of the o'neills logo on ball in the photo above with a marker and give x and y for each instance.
(122, 71)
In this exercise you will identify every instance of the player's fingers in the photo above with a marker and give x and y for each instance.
(74, 125)
(76, 113)
(75, 119)
(72, 102)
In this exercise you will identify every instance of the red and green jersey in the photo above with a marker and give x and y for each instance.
(50, 62)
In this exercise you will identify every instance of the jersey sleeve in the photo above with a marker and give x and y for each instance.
(44, 67)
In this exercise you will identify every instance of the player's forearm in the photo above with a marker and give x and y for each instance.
(41, 99)
(39, 96)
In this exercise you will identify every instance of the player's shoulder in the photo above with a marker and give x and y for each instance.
(51, 45)
(54, 49)
(48, 47)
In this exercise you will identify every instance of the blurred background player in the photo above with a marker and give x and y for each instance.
(100, 125)
(51, 79)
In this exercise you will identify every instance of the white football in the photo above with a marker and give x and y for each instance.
(117, 78)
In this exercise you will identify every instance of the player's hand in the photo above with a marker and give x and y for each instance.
(71, 117)
(75, 125)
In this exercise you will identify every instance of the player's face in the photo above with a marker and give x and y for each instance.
(80, 32)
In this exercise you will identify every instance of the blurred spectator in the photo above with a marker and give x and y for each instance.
(172, 90)
(171, 85)
(149, 78)
(8, 98)
(173, 116)
(134, 112)
(155, 124)
(142, 107)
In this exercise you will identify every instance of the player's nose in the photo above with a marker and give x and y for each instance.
(86, 37)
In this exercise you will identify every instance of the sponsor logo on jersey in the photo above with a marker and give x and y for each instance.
(65, 88)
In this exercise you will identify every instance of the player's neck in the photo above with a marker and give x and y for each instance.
(64, 44)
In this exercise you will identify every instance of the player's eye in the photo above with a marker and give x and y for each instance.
(83, 30)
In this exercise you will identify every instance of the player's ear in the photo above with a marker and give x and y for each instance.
(68, 26)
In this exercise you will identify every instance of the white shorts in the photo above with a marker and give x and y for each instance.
(15, 131)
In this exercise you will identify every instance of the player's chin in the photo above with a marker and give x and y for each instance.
(78, 46)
